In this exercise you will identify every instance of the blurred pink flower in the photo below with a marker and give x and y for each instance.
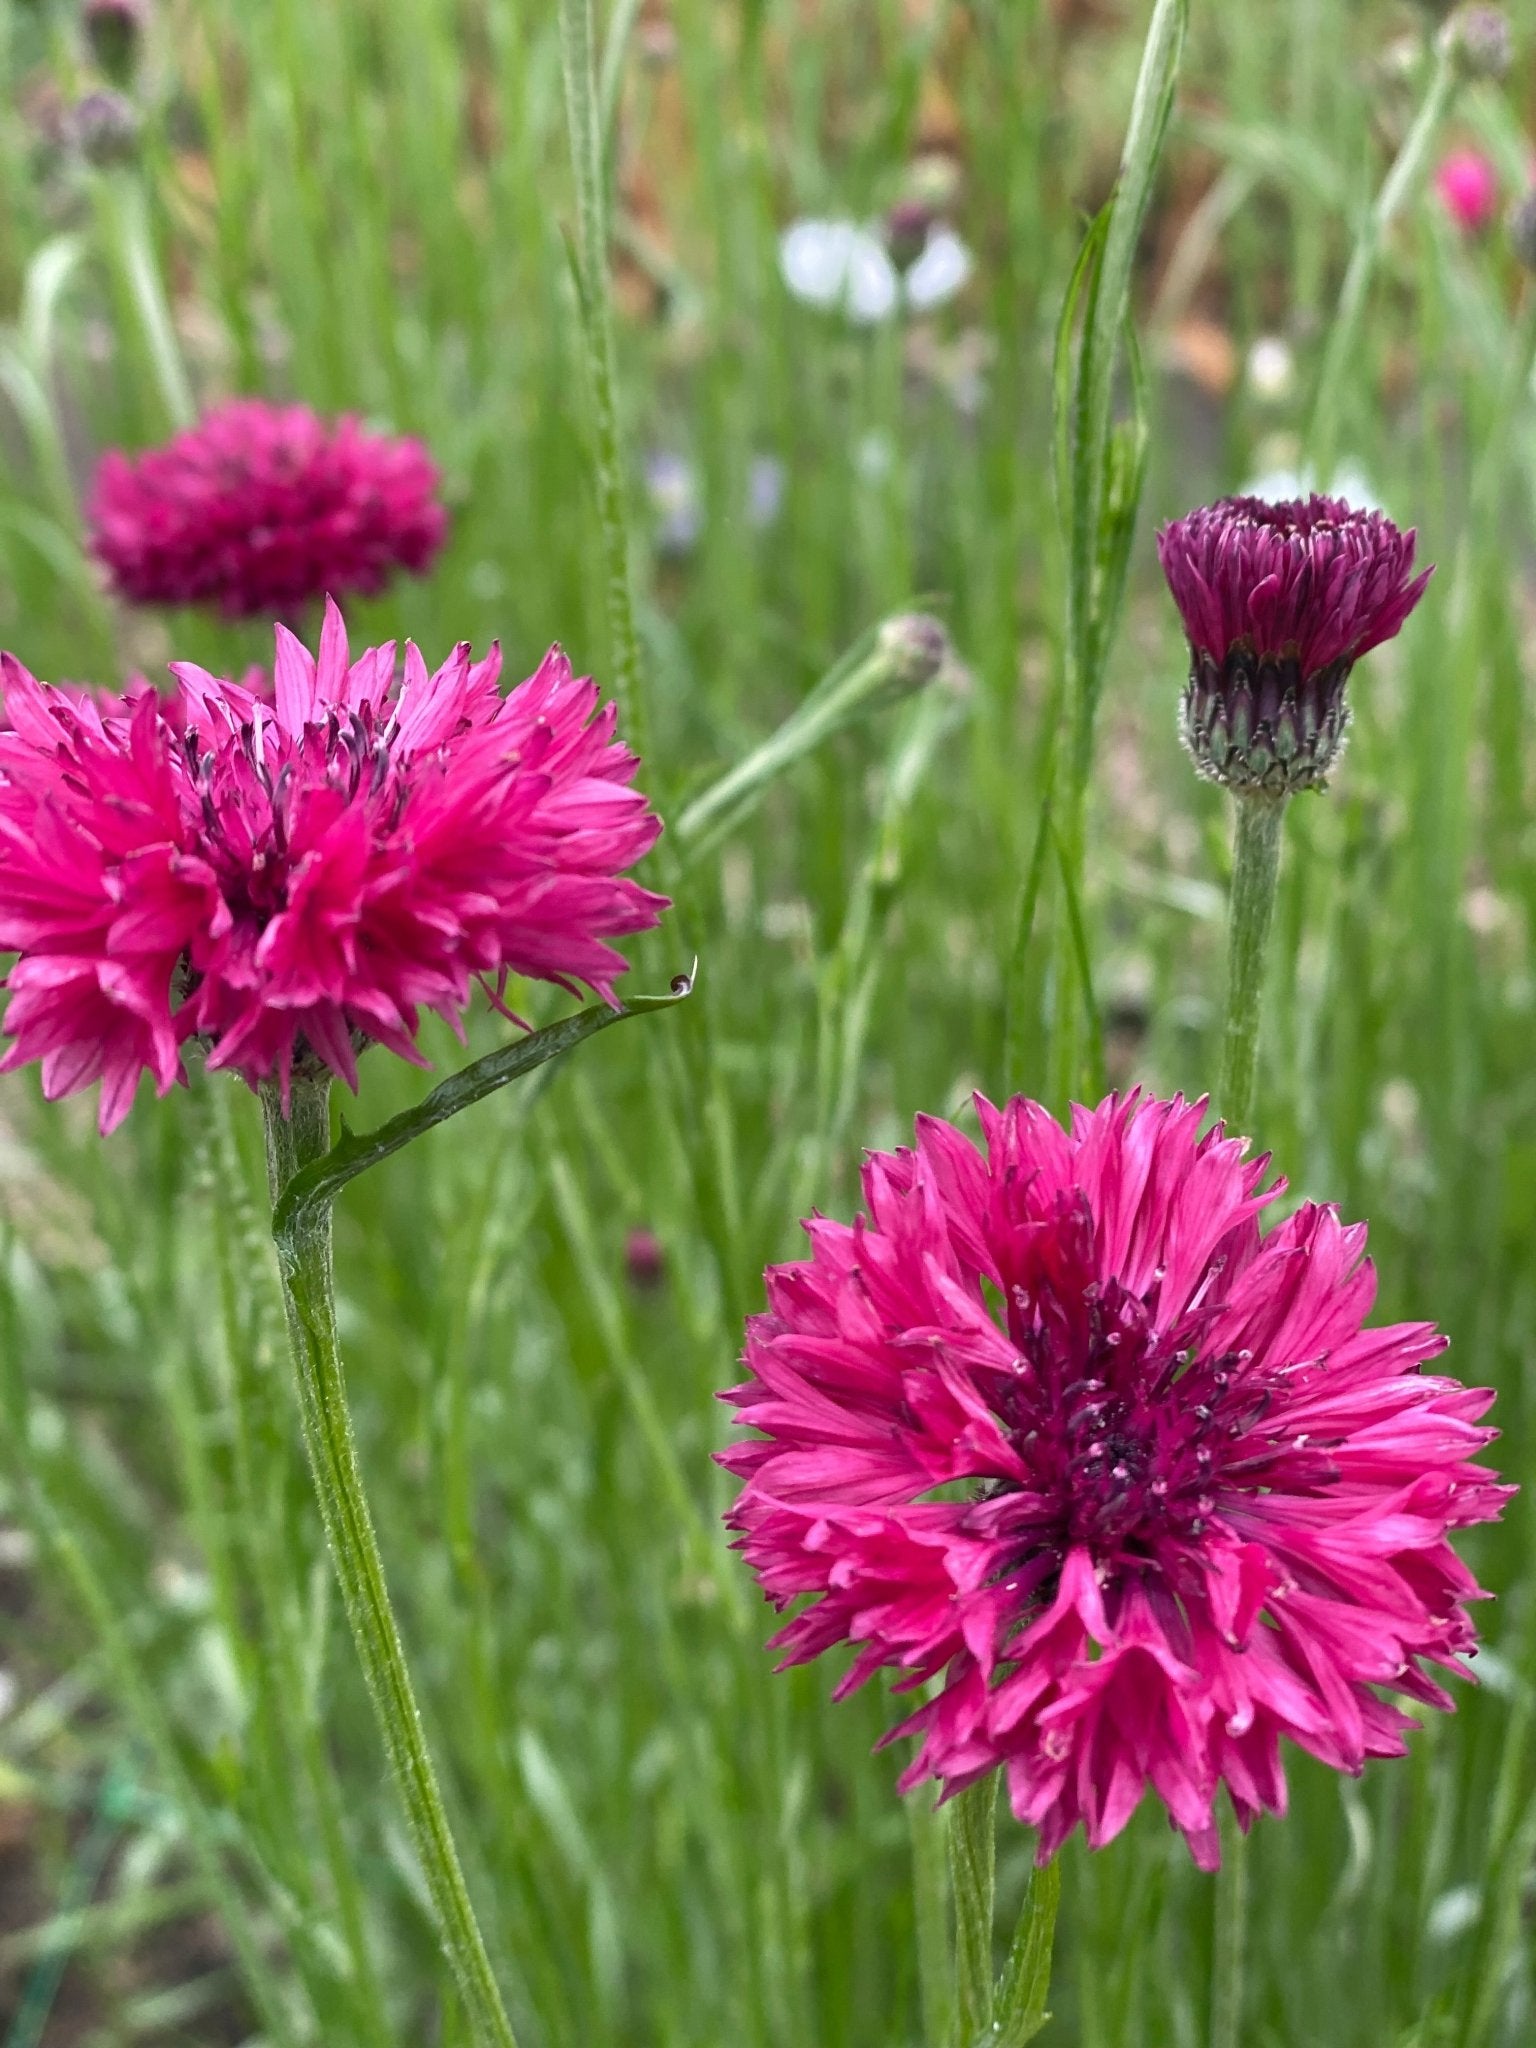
(295, 877)
(262, 506)
(1055, 1426)
(1468, 189)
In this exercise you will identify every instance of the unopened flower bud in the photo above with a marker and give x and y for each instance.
(1478, 42)
(906, 231)
(918, 648)
(105, 128)
(115, 29)
(645, 1262)
(1522, 229)
(1279, 601)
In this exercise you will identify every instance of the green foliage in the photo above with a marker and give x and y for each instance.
(368, 204)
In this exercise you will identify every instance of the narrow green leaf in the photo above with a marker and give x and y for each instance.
(1018, 960)
(1062, 368)
(1125, 475)
(321, 1182)
(972, 1875)
(1026, 1980)
(1094, 1072)
(879, 668)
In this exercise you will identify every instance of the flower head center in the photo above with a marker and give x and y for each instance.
(1118, 1424)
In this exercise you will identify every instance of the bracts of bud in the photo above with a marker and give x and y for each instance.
(1259, 726)
(104, 127)
(1478, 42)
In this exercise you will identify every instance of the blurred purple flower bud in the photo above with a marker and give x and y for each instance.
(104, 127)
(114, 30)
(1478, 42)
(645, 1261)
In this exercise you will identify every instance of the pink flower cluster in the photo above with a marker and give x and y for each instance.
(1055, 1425)
(259, 507)
(297, 875)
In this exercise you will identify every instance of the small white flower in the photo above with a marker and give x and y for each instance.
(765, 491)
(1348, 482)
(1271, 368)
(673, 488)
(841, 266)
(836, 264)
(942, 270)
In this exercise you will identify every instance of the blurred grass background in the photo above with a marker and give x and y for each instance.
(363, 204)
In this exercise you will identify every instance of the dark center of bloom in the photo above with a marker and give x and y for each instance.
(258, 811)
(1129, 1434)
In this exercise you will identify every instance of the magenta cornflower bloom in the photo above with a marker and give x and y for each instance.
(1279, 601)
(1468, 188)
(1055, 1424)
(264, 506)
(285, 880)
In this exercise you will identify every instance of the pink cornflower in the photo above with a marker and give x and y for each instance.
(1054, 1425)
(285, 880)
(1468, 188)
(1279, 601)
(264, 506)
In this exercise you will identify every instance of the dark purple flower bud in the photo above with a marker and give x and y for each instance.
(1478, 42)
(918, 648)
(105, 128)
(1279, 602)
(644, 1260)
(906, 231)
(114, 29)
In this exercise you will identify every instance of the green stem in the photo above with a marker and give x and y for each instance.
(1255, 869)
(1026, 1982)
(584, 118)
(1231, 1943)
(130, 237)
(1400, 183)
(295, 1141)
(1255, 873)
(930, 1913)
(973, 1875)
(901, 655)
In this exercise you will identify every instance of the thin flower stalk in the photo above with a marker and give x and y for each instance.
(298, 1136)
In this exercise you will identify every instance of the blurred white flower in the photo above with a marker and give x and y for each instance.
(942, 270)
(874, 456)
(672, 486)
(840, 266)
(1280, 482)
(765, 491)
(1271, 369)
(675, 492)
(1454, 1912)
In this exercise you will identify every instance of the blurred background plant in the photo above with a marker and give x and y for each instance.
(364, 206)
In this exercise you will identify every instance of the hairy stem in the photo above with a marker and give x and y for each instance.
(1231, 1944)
(294, 1141)
(1255, 870)
(584, 120)
(973, 1875)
